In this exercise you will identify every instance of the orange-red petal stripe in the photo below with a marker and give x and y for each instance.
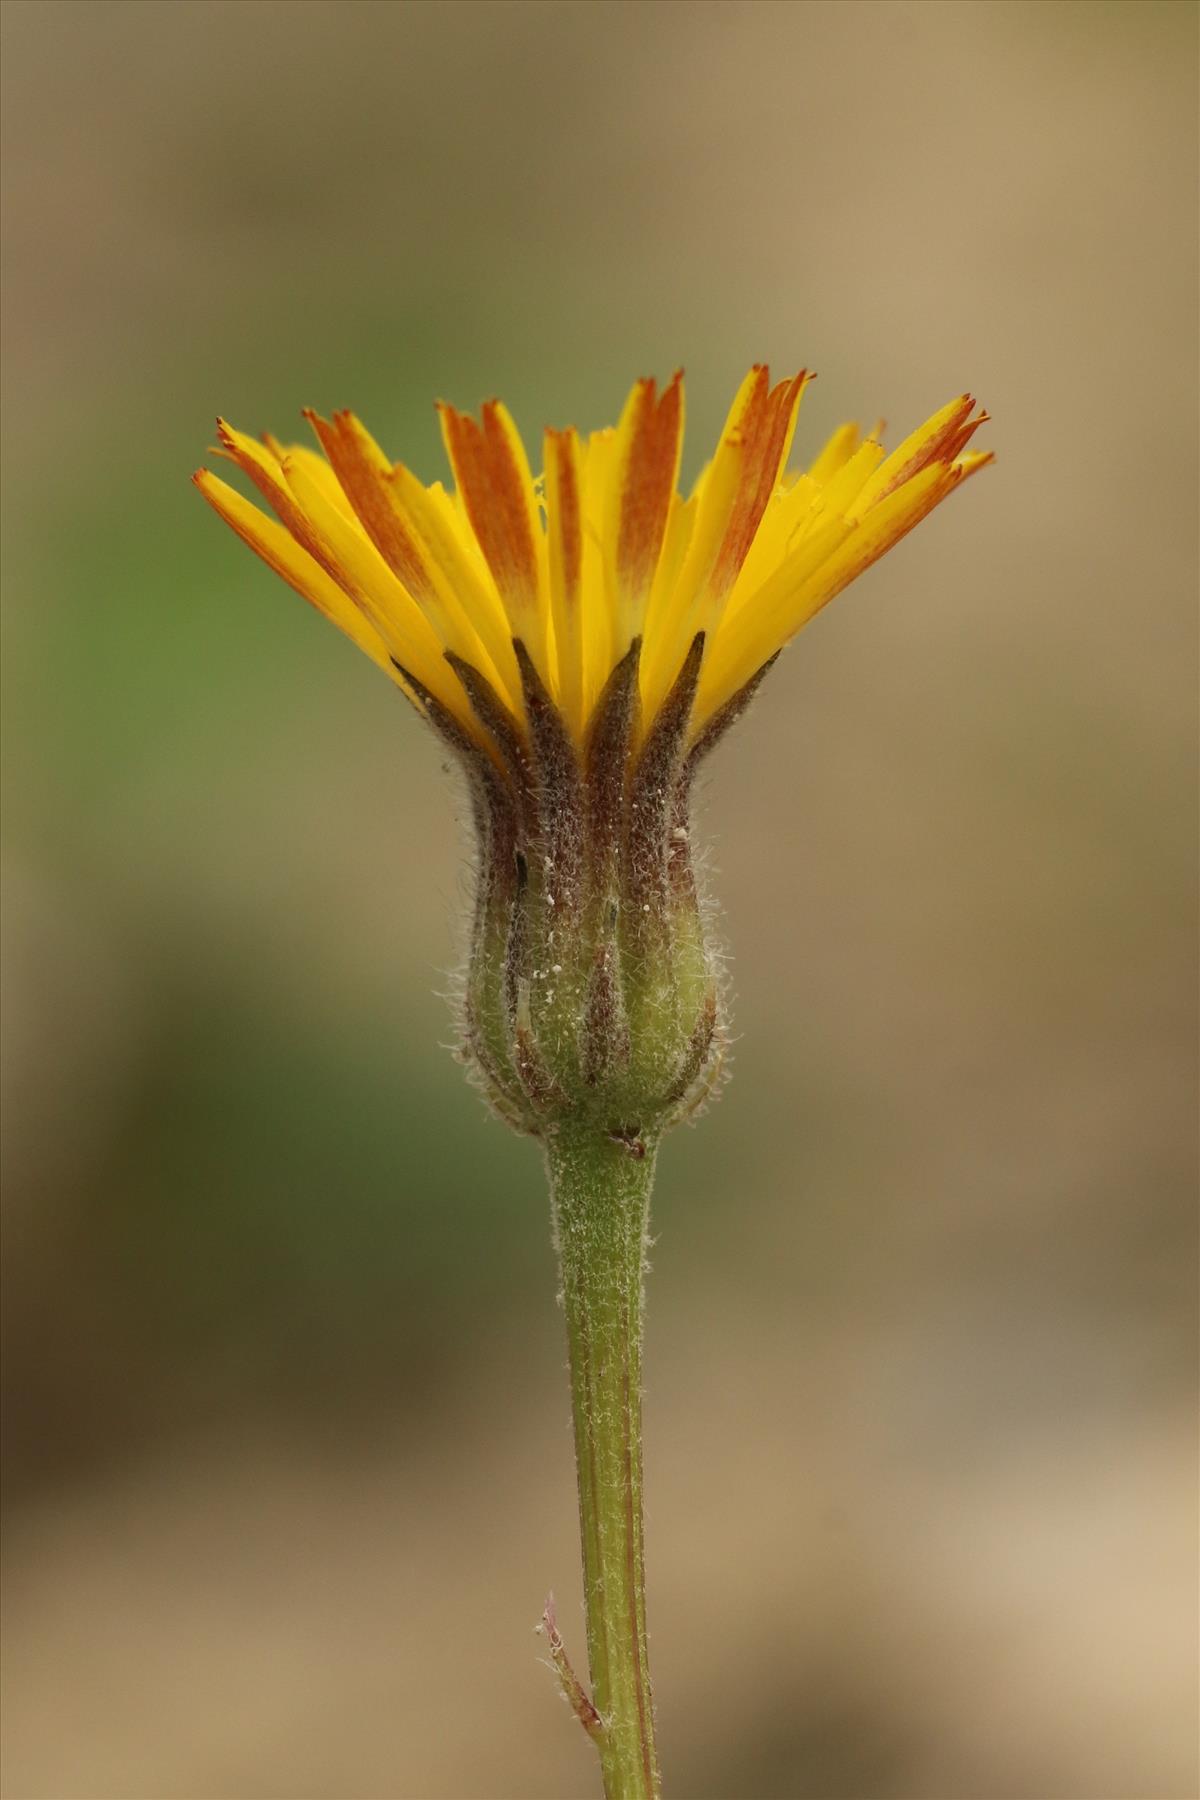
(496, 493)
(267, 475)
(768, 426)
(646, 486)
(938, 440)
(362, 468)
(564, 513)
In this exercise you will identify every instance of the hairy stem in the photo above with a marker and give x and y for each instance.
(601, 1196)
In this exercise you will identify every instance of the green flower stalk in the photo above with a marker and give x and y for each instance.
(581, 643)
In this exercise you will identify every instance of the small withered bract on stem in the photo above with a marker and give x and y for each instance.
(581, 642)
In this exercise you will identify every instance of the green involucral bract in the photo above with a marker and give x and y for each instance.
(593, 993)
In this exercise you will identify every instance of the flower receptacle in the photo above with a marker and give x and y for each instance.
(592, 989)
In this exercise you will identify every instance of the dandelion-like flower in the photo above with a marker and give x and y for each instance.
(581, 640)
(598, 554)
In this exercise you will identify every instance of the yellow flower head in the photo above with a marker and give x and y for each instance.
(601, 550)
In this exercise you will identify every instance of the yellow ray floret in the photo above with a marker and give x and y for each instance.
(600, 550)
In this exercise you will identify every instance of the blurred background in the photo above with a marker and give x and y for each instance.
(288, 1457)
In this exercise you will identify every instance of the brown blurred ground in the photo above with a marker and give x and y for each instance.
(287, 1449)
